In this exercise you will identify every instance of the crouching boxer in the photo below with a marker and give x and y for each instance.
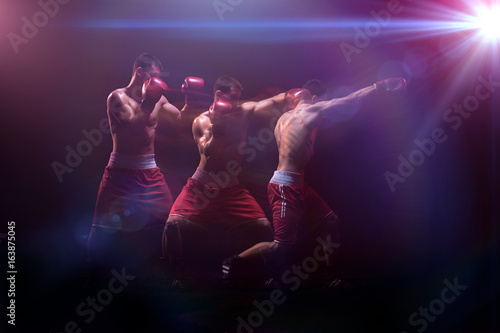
(215, 216)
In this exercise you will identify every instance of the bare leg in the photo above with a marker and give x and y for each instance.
(261, 261)
(332, 232)
(247, 234)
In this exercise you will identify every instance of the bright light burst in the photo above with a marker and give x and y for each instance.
(478, 20)
(487, 21)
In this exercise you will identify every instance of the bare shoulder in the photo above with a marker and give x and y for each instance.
(203, 120)
(117, 98)
(201, 124)
(243, 112)
(307, 115)
(248, 106)
(118, 93)
(285, 116)
(313, 109)
(202, 117)
(313, 115)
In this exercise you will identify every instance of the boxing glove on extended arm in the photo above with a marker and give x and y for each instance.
(192, 88)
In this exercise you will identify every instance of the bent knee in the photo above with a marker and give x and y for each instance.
(333, 218)
(265, 229)
(264, 224)
(332, 221)
(282, 248)
(174, 219)
(333, 227)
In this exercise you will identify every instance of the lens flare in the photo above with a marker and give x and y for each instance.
(487, 20)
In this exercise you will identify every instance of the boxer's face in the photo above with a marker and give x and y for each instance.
(150, 72)
(232, 96)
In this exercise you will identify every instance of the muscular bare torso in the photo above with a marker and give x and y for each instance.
(295, 135)
(132, 129)
(296, 130)
(218, 139)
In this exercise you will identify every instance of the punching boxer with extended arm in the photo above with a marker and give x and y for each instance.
(215, 215)
(298, 211)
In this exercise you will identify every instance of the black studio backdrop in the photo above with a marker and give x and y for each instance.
(437, 221)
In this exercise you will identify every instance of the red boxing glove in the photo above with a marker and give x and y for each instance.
(294, 96)
(391, 85)
(192, 88)
(219, 108)
(192, 85)
(152, 90)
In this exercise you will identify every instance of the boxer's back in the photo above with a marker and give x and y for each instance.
(295, 135)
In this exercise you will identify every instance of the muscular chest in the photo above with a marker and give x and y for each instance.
(141, 119)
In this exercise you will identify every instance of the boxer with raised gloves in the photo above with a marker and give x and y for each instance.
(133, 200)
(152, 90)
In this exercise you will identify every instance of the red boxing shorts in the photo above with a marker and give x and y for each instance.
(131, 198)
(212, 206)
(295, 206)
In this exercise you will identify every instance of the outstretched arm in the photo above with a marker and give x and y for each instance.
(273, 106)
(193, 91)
(340, 109)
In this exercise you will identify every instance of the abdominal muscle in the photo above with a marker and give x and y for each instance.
(139, 141)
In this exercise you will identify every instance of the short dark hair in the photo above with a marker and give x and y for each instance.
(315, 87)
(225, 82)
(146, 61)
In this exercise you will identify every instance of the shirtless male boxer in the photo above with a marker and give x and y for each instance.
(215, 215)
(133, 199)
(300, 215)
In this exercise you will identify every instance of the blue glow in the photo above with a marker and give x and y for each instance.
(149, 24)
(422, 21)
(316, 24)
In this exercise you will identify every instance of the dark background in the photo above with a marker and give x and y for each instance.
(440, 223)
